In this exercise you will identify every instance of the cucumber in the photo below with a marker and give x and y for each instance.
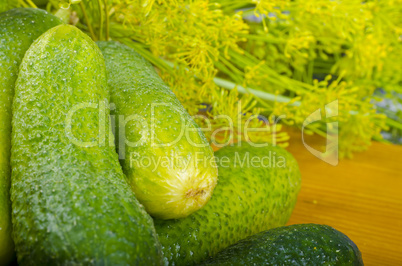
(301, 244)
(71, 203)
(250, 197)
(18, 29)
(165, 156)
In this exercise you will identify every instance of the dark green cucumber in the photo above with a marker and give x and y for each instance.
(301, 244)
(256, 191)
(18, 29)
(167, 159)
(70, 200)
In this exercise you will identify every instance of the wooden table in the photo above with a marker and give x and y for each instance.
(361, 197)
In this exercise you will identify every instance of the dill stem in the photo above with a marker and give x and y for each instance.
(49, 6)
(22, 3)
(233, 5)
(310, 71)
(393, 123)
(263, 38)
(318, 132)
(101, 20)
(380, 139)
(259, 94)
(84, 12)
(226, 70)
(271, 76)
(139, 48)
(107, 21)
(230, 65)
(31, 4)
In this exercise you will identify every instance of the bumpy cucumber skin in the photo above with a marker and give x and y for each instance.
(166, 192)
(18, 29)
(246, 201)
(71, 204)
(301, 244)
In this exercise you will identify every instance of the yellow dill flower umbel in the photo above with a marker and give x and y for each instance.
(271, 52)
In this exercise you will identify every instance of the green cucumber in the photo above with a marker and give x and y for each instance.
(70, 200)
(256, 191)
(301, 244)
(18, 29)
(167, 159)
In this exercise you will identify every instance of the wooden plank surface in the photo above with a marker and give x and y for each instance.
(361, 197)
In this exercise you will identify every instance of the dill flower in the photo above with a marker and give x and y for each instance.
(242, 59)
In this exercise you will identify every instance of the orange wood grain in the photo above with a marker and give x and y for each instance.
(361, 197)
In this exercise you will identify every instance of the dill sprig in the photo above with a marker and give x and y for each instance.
(247, 58)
